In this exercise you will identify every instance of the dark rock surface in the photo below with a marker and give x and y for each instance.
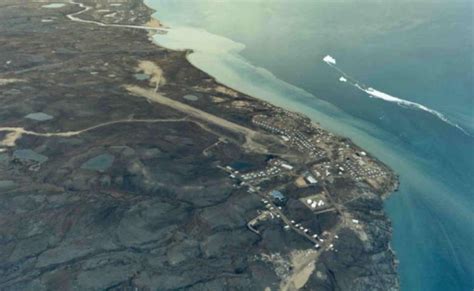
(144, 205)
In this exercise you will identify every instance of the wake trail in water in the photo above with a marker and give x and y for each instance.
(373, 93)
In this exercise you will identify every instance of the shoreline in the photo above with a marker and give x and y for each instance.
(188, 52)
(385, 194)
(175, 136)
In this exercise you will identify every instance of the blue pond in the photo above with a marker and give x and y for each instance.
(39, 116)
(99, 163)
(29, 155)
(141, 76)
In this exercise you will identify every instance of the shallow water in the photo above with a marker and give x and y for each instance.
(420, 52)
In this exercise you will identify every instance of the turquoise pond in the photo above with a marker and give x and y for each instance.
(99, 163)
(39, 116)
(141, 76)
(29, 155)
(418, 118)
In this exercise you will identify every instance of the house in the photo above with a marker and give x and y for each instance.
(277, 195)
(285, 138)
(310, 179)
(287, 166)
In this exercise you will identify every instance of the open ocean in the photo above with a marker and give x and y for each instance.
(406, 95)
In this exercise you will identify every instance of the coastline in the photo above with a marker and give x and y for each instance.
(195, 212)
(385, 194)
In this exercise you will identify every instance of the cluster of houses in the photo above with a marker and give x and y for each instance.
(304, 144)
(274, 200)
(296, 138)
(349, 163)
(274, 167)
(322, 171)
(267, 172)
(318, 238)
(358, 169)
(277, 197)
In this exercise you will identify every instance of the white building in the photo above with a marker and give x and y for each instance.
(311, 179)
(287, 166)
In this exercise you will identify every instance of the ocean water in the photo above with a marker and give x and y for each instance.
(406, 95)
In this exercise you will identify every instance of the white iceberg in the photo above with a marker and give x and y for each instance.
(329, 60)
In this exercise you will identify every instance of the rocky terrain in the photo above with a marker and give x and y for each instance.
(107, 181)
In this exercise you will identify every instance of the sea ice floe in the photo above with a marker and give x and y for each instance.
(329, 60)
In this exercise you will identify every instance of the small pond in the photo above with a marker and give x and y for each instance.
(39, 116)
(141, 77)
(29, 155)
(242, 166)
(190, 97)
(99, 163)
(6, 185)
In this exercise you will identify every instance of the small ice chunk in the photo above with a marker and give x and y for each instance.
(329, 60)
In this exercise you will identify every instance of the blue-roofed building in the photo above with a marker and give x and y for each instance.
(277, 195)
